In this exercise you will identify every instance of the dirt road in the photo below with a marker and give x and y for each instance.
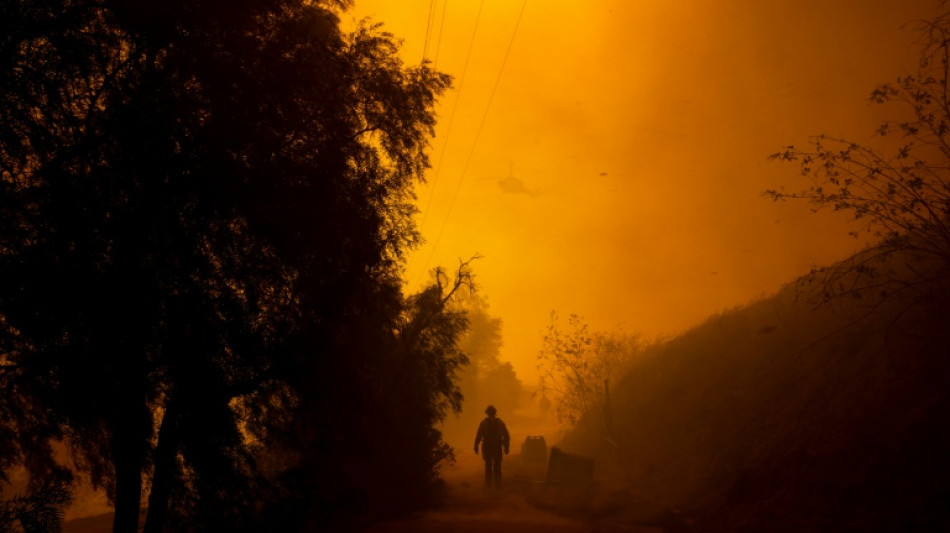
(469, 508)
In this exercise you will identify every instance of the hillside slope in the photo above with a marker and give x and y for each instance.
(786, 416)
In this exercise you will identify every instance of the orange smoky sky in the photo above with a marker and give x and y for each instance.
(607, 157)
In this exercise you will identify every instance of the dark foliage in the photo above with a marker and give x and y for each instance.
(203, 206)
(897, 189)
(370, 430)
(41, 509)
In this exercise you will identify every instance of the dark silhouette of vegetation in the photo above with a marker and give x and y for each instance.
(898, 191)
(577, 365)
(369, 433)
(41, 509)
(203, 211)
(745, 423)
(486, 379)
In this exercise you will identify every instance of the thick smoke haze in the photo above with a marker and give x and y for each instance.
(328, 265)
(610, 163)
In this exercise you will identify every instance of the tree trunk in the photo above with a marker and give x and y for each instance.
(127, 456)
(131, 426)
(165, 452)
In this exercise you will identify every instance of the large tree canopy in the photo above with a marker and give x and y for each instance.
(203, 206)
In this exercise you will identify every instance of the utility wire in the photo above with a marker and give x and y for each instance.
(425, 46)
(448, 131)
(438, 42)
(478, 133)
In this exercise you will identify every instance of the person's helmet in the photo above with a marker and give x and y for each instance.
(490, 410)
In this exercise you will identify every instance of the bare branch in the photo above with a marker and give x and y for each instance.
(899, 193)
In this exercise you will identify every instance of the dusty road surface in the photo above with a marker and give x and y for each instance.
(470, 508)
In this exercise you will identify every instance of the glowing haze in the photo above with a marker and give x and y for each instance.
(610, 163)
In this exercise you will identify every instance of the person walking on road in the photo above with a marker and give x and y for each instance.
(493, 436)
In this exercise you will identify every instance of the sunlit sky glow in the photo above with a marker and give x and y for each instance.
(620, 163)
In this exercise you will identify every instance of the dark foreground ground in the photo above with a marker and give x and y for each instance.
(469, 508)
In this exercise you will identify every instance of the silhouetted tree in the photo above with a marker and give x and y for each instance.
(487, 379)
(203, 206)
(898, 191)
(430, 358)
(577, 365)
(364, 439)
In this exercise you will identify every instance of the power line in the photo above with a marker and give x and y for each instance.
(478, 133)
(448, 132)
(438, 42)
(425, 46)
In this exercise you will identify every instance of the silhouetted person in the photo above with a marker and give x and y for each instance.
(493, 436)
